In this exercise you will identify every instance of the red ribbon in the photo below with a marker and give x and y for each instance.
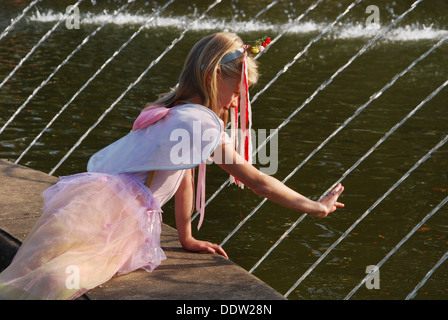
(245, 147)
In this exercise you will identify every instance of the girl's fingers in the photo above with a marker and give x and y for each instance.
(331, 198)
(222, 252)
(215, 248)
(337, 190)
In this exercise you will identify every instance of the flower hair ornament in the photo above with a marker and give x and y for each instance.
(245, 111)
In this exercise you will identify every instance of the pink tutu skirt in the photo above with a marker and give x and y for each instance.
(93, 226)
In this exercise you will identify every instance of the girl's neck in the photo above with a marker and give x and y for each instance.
(196, 100)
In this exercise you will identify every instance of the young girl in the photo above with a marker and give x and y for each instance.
(107, 221)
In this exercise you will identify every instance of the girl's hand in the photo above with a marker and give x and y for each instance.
(198, 245)
(329, 203)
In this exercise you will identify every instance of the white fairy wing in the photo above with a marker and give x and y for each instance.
(183, 139)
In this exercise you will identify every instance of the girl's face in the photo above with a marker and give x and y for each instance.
(228, 94)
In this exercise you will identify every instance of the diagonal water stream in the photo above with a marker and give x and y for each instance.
(367, 212)
(20, 16)
(427, 276)
(391, 252)
(36, 90)
(45, 37)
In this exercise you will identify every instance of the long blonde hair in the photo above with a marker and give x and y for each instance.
(200, 72)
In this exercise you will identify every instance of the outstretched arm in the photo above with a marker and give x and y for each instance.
(183, 211)
(273, 189)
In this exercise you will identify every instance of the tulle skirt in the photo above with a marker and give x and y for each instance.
(93, 226)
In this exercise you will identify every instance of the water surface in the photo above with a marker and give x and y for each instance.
(374, 237)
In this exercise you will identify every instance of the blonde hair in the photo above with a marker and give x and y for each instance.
(199, 76)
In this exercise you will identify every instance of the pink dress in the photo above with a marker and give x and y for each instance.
(104, 222)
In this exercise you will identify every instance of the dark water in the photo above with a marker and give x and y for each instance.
(378, 233)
